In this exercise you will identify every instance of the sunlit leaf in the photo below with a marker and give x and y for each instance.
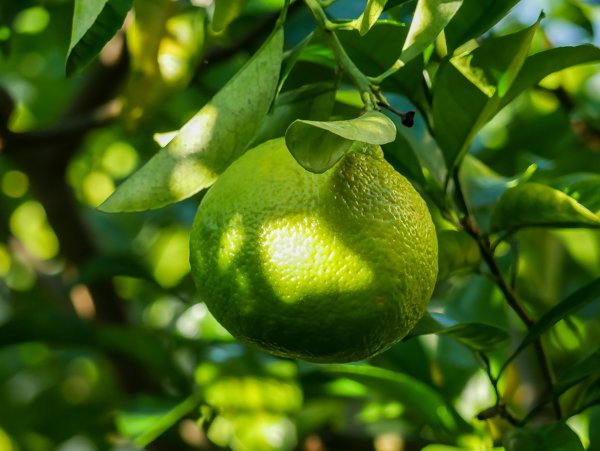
(476, 335)
(430, 18)
(165, 41)
(226, 11)
(536, 205)
(458, 253)
(469, 89)
(95, 22)
(583, 187)
(318, 145)
(552, 437)
(474, 18)
(370, 15)
(210, 141)
(568, 306)
(542, 64)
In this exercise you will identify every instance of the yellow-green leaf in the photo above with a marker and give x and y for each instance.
(209, 142)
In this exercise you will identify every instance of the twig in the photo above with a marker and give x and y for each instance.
(408, 118)
(369, 93)
(487, 254)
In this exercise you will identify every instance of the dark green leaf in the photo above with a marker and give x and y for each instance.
(458, 253)
(542, 64)
(378, 49)
(553, 437)
(403, 157)
(421, 399)
(95, 22)
(469, 89)
(311, 102)
(209, 142)
(394, 3)
(590, 366)
(317, 145)
(476, 335)
(572, 11)
(290, 60)
(536, 205)
(474, 18)
(147, 418)
(568, 306)
(590, 398)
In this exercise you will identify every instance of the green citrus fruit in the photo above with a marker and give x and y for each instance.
(330, 267)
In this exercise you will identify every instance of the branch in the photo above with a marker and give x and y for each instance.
(485, 248)
(370, 95)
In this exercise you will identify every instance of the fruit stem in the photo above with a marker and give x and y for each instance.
(370, 96)
(487, 253)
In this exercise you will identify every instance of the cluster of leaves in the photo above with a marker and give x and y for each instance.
(511, 336)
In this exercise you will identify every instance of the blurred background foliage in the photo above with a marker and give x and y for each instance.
(78, 376)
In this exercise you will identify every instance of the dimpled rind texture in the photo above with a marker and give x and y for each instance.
(331, 267)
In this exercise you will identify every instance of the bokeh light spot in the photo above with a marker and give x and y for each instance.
(28, 223)
(120, 159)
(15, 184)
(96, 187)
(32, 20)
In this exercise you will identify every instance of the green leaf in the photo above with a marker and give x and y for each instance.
(568, 306)
(583, 187)
(147, 418)
(95, 22)
(476, 335)
(482, 185)
(552, 437)
(402, 155)
(430, 18)
(590, 366)
(370, 15)
(317, 145)
(458, 253)
(226, 11)
(311, 102)
(421, 399)
(542, 64)
(474, 18)
(470, 87)
(393, 3)
(378, 50)
(209, 142)
(573, 11)
(536, 205)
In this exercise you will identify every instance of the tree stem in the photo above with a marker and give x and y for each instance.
(487, 253)
(369, 95)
